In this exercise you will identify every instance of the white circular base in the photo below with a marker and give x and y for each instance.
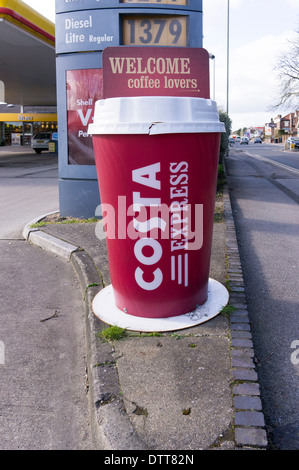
(105, 309)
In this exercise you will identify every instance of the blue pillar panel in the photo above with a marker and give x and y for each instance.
(94, 30)
(76, 5)
(84, 28)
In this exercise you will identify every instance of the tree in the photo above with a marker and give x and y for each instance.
(224, 145)
(288, 74)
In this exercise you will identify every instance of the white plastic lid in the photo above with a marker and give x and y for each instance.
(155, 115)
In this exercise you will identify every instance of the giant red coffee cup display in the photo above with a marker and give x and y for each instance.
(157, 177)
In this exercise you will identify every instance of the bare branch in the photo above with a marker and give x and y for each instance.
(288, 74)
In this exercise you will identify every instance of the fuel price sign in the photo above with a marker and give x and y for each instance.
(158, 30)
(160, 2)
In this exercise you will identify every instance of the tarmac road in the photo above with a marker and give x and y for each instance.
(43, 403)
(28, 187)
(265, 205)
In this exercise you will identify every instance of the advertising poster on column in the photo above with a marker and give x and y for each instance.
(84, 88)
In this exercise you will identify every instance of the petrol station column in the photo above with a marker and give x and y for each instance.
(84, 28)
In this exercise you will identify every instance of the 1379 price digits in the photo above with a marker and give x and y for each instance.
(170, 31)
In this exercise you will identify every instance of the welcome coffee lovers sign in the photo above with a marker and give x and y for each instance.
(155, 71)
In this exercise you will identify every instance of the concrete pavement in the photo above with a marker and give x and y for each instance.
(192, 389)
(42, 368)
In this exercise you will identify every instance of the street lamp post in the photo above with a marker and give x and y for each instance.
(227, 66)
(212, 57)
(2, 92)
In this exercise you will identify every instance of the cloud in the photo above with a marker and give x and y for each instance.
(292, 3)
(253, 81)
(236, 3)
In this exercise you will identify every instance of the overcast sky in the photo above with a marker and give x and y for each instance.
(259, 34)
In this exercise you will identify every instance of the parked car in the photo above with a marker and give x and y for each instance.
(244, 140)
(40, 141)
(257, 140)
(231, 140)
(293, 141)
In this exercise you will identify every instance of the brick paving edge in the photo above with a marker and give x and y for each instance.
(249, 422)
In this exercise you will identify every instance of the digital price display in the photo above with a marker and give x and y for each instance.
(166, 30)
(161, 2)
